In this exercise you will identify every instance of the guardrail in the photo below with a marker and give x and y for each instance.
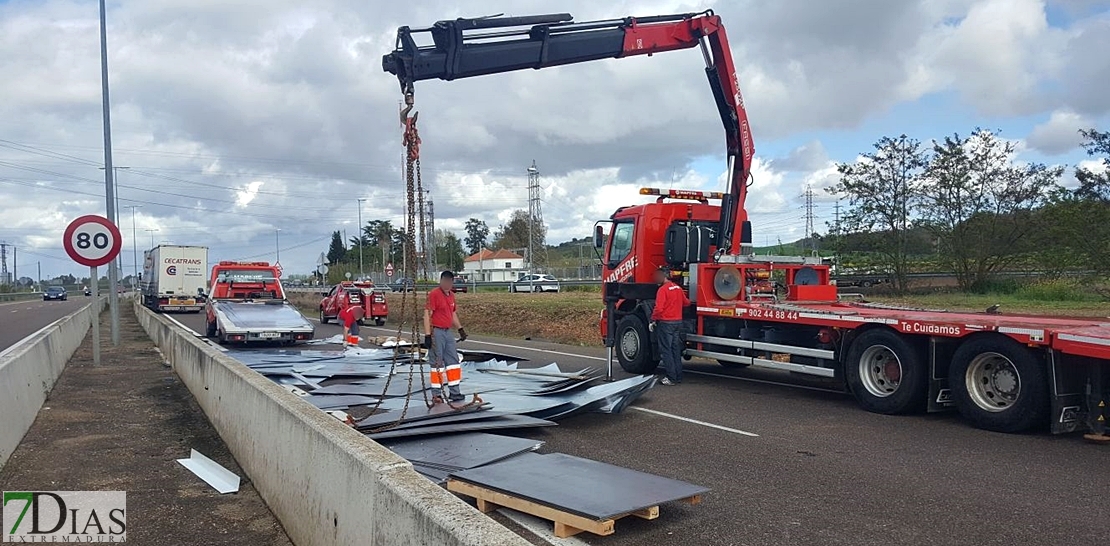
(324, 481)
(19, 296)
(29, 369)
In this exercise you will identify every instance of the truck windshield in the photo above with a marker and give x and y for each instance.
(622, 242)
(246, 275)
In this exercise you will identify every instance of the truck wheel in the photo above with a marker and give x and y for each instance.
(865, 284)
(323, 317)
(379, 322)
(210, 331)
(886, 374)
(999, 385)
(634, 346)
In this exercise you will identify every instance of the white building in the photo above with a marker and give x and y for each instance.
(494, 266)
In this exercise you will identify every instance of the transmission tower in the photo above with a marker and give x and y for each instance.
(536, 239)
(4, 279)
(809, 220)
(430, 243)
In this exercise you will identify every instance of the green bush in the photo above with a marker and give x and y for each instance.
(1053, 290)
(1005, 286)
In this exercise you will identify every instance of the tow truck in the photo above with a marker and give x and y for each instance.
(359, 293)
(1001, 372)
(246, 303)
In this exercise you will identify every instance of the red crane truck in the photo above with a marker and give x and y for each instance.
(1001, 372)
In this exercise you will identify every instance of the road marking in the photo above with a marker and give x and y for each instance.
(696, 422)
(540, 528)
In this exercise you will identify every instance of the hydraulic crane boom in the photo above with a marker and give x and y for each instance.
(464, 48)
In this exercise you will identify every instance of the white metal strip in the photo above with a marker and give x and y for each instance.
(762, 346)
(1021, 331)
(220, 478)
(1084, 339)
(788, 366)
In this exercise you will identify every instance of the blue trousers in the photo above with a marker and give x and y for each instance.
(669, 334)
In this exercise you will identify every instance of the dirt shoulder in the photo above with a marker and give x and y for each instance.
(120, 426)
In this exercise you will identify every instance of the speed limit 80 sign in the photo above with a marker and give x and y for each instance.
(92, 240)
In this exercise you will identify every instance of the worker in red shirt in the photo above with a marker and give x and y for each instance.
(440, 315)
(349, 318)
(666, 322)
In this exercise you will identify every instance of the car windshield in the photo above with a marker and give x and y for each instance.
(55, 289)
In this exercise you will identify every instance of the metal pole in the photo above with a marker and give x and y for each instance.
(134, 248)
(361, 271)
(151, 232)
(95, 317)
(109, 184)
(609, 364)
(277, 245)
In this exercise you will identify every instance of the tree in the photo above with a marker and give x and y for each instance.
(477, 233)
(882, 189)
(381, 233)
(336, 251)
(450, 252)
(1095, 186)
(514, 234)
(980, 206)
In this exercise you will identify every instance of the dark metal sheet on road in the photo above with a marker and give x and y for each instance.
(584, 487)
(461, 451)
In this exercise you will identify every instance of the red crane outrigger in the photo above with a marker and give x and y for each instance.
(464, 48)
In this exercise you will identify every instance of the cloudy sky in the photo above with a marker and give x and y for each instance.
(239, 118)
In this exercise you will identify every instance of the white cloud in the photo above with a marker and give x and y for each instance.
(244, 196)
(1059, 134)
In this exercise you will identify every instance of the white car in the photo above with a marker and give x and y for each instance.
(541, 283)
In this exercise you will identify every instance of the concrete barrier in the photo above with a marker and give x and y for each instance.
(29, 369)
(325, 482)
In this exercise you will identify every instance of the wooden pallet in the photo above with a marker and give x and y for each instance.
(566, 524)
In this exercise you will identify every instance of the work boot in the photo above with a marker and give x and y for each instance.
(457, 397)
(666, 381)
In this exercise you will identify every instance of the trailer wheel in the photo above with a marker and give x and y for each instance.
(634, 346)
(999, 385)
(885, 373)
(323, 317)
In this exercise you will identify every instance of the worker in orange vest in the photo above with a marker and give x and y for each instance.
(440, 315)
(666, 322)
(349, 318)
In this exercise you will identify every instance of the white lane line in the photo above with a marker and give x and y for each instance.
(696, 422)
(540, 528)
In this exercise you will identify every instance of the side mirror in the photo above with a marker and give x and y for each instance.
(599, 236)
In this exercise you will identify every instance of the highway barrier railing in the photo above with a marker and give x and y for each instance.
(29, 369)
(19, 296)
(325, 482)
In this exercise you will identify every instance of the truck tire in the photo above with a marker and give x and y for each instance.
(379, 322)
(634, 346)
(999, 385)
(886, 374)
(323, 317)
(866, 284)
(210, 330)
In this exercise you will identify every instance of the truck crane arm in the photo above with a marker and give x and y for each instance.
(464, 48)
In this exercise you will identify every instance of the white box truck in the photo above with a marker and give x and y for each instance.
(175, 277)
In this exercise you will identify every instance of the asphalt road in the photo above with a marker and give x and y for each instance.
(20, 319)
(794, 461)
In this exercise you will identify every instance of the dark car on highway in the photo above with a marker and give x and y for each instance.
(402, 285)
(460, 285)
(55, 293)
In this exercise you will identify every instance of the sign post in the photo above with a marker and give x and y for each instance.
(389, 270)
(93, 241)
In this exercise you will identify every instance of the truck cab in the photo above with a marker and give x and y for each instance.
(358, 293)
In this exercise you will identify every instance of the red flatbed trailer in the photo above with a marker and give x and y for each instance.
(1002, 372)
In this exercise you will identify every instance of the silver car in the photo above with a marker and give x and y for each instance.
(535, 283)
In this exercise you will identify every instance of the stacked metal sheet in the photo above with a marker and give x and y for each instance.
(437, 457)
(394, 398)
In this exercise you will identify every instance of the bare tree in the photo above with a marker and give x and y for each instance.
(882, 190)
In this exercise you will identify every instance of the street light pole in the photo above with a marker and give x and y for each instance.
(361, 271)
(277, 245)
(151, 231)
(109, 183)
(134, 247)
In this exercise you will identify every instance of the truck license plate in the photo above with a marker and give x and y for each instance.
(269, 335)
(183, 302)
